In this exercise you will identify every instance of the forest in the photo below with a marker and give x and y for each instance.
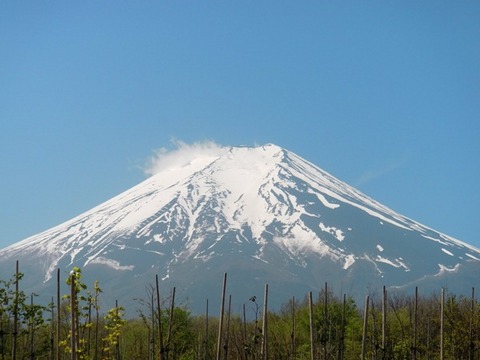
(319, 326)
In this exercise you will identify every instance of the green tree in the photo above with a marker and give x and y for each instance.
(114, 323)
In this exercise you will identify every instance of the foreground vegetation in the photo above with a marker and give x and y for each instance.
(438, 326)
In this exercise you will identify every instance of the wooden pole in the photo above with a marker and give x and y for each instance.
(427, 353)
(245, 348)
(32, 328)
(312, 344)
(152, 324)
(15, 314)
(341, 345)
(89, 331)
(220, 323)
(325, 322)
(365, 324)
(384, 319)
(52, 331)
(292, 336)
(97, 326)
(442, 308)
(264, 325)
(77, 322)
(472, 316)
(227, 330)
(2, 341)
(159, 311)
(170, 323)
(73, 337)
(415, 324)
(205, 341)
(117, 345)
(57, 337)
(344, 323)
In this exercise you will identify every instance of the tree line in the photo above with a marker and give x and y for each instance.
(318, 326)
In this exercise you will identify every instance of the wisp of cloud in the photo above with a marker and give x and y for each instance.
(181, 155)
(371, 175)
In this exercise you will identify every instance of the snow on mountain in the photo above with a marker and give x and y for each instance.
(261, 214)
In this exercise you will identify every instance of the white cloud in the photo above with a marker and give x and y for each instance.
(181, 155)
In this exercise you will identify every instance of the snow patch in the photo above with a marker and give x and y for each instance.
(323, 200)
(447, 252)
(368, 258)
(472, 257)
(435, 239)
(349, 260)
(444, 269)
(301, 241)
(259, 258)
(114, 264)
(396, 264)
(337, 233)
(74, 253)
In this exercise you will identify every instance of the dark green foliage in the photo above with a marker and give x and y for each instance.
(337, 328)
(31, 325)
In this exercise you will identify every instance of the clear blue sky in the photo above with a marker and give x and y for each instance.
(384, 95)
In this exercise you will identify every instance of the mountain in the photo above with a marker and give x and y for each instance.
(261, 214)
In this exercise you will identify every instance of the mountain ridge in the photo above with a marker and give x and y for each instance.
(263, 213)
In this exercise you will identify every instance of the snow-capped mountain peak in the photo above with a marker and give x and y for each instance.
(261, 210)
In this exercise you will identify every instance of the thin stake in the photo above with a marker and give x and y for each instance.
(375, 346)
(152, 335)
(310, 304)
(442, 308)
(73, 318)
(159, 310)
(264, 325)
(2, 341)
(89, 331)
(415, 324)
(15, 314)
(32, 328)
(365, 324)
(325, 321)
(220, 323)
(472, 314)
(117, 345)
(245, 348)
(292, 336)
(342, 330)
(97, 324)
(206, 333)
(384, 318)
(57, 337)
(52, 330)
(227, 330)
(170, 322)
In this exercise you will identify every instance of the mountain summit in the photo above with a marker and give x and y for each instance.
(261, 214)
